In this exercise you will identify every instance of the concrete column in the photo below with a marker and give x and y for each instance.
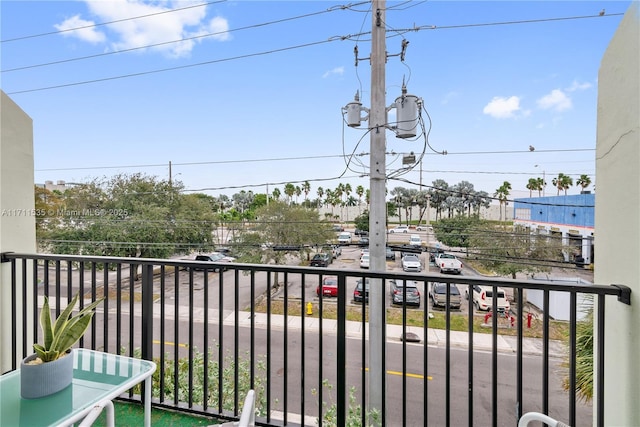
(617, 217)
(17, 216)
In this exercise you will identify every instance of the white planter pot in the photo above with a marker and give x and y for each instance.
(46, 378)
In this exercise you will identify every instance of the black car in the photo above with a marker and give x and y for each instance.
(210, 258)
(400, 287)
(359, 232)
(322, 259)
(361, 294)
(390, 254)
(363, 242)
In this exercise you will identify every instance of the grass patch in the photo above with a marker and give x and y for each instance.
(558, 330)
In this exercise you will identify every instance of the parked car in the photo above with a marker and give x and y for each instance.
(321, 259)
(399, 229)
(483, 298)
(438, 295)
(329, 287)
(361, 293)
(337, 228)
(364, 241)
(390, 254)
(425, 228)
(398, 289)
(415, 241)
(448, 263)
(364, 261)
(359, 232)
(344, 238)
(214, 257)
(411, 262)
(334, 250)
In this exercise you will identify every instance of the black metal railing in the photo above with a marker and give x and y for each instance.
(217, 330)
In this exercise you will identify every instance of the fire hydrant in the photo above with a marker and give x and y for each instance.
(309, 308)
(529, 316)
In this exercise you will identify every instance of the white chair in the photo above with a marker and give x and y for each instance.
(537, 416)
(248, 415)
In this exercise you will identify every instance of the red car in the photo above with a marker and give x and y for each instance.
(329, 287)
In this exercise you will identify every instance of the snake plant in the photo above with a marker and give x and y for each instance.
(65, 332)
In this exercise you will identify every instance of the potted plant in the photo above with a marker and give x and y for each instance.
(50, 369)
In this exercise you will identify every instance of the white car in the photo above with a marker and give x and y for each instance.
(483, 298)
(415, 240)
(411, 262)
(425, 228)
(399, 229)
(344, 238)
(364, 261)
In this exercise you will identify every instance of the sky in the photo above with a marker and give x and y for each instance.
(250, 95)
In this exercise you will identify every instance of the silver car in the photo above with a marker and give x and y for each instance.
(411, 262)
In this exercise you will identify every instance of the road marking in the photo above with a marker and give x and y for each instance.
(171, 343)
(409, 375)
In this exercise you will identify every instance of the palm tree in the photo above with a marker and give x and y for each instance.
(276, 193)
(540, 184)
(306, 187)
(502, 193)
(532, 185)
(562, 182)
(298, 191)
(584, 181)
(320, 192)
(290, 190)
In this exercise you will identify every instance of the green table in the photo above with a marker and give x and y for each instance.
(98, 378)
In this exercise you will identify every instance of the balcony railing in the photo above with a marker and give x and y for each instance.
(215, 334)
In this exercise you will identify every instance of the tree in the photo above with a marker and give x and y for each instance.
(279, 226)
(320, 192)
(532, 185)
(502, 193)
(562, 182)
(276, 193)
(438, 195)
(584, 181)
(508, 251)
(360, 193)
(132, 216)
(362, 221)
(306, 188)
(289, 191)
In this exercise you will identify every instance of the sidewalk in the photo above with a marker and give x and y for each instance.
(435, 337)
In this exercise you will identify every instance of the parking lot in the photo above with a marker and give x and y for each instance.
(350, 259)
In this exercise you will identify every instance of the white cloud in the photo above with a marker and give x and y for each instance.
(87, 32)
(557, 100)
(503, 108)
(576, 85)
(338, 70)
(153, 27)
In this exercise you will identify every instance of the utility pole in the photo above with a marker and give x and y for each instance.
(378, 214)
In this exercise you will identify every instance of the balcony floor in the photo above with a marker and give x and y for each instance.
(131, 414)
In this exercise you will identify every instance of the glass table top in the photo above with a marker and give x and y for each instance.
(97, 376)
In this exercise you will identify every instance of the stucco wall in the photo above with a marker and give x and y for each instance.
(17, 219)
(617, 216)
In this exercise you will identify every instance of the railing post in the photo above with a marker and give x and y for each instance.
(147, 312)
(341, 392)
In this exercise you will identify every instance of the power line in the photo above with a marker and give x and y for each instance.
(278, 50)
(200, 36)
(110, 22)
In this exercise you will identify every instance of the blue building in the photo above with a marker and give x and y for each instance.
(568, 217)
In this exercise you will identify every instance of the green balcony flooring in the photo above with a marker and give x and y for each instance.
(131, 414)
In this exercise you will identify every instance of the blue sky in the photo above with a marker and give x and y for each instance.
(237, 104)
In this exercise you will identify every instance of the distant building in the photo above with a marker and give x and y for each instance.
(569, 217)
(60, 186)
